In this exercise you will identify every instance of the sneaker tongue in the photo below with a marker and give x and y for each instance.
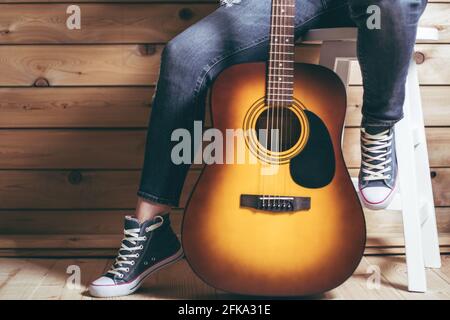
(375, 129)
(131, 223)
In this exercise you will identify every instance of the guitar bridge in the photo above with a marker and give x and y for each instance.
(275, 203)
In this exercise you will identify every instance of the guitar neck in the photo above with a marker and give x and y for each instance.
(280, 81)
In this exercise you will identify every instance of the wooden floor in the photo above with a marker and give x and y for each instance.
(47, 279)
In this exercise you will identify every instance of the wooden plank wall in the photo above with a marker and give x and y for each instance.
(74, 107)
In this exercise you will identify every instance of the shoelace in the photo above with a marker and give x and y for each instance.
(229, 3)
(375, 148)
(132, 236)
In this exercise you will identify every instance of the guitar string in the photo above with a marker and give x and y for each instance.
(278, 97)
(291, 13)
(283, 91)
(292, 116)
(276, 89)
(280, 94)
(282, 79)
(269, 96)
(272, 23)
(278, 54)
(283, 67)
(290, 67)
(261, 163)
(290, 41)
(269, 114)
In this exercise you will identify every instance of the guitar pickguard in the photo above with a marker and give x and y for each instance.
(315, 165)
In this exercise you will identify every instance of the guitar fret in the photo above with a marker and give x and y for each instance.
(284, 44)
(280, 94)
(284, 16)
(281, 75)
(290, 82)
(282, 26)
(281, 100)
(280, 68)
(278, 52)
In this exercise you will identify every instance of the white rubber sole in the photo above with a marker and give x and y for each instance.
(124, 289)
(379, 205)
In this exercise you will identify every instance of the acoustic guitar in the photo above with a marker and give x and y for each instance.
(287, 220)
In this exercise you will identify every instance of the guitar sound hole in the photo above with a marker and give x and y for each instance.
(278, 129)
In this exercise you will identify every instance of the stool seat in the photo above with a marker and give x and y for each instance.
(415, 196)
(351, 34)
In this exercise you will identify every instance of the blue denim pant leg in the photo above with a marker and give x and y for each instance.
(189, 64)
(384, 55)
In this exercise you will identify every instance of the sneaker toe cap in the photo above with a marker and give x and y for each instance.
(376, 195)
(103, 281)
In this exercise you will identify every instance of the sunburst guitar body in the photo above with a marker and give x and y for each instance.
(281, 218)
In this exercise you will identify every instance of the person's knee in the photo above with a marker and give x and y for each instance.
(184, 55)
(173, 52)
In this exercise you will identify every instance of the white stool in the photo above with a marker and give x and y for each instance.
(415, 198)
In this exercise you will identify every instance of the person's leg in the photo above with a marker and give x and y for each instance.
(190, 62)
(188, 65)
(384, 55)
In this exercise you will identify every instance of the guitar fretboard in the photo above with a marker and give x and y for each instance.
(280, 81)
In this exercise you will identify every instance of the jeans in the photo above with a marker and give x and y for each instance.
(240, 33)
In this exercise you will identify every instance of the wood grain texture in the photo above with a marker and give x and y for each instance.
(139, 1)
(46, 279)
(101, 221)
(435, 70)
(40, 222)
(124, 149)
(106, 65)
(107, 82)
(51, 189)
(21, 228)
(129, 107)
(437, 15)
(126, 1)
(112, 252)
(75, 107)
(131, 22)
(78, 65)
(394, 274)
(100, 23)
(112, 241)
(435, 104)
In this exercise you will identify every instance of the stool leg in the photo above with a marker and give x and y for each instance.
(337, 56)
(430, 240)
(410, 204)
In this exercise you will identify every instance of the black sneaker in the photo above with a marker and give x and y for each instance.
(146, 248)
(378, 174)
